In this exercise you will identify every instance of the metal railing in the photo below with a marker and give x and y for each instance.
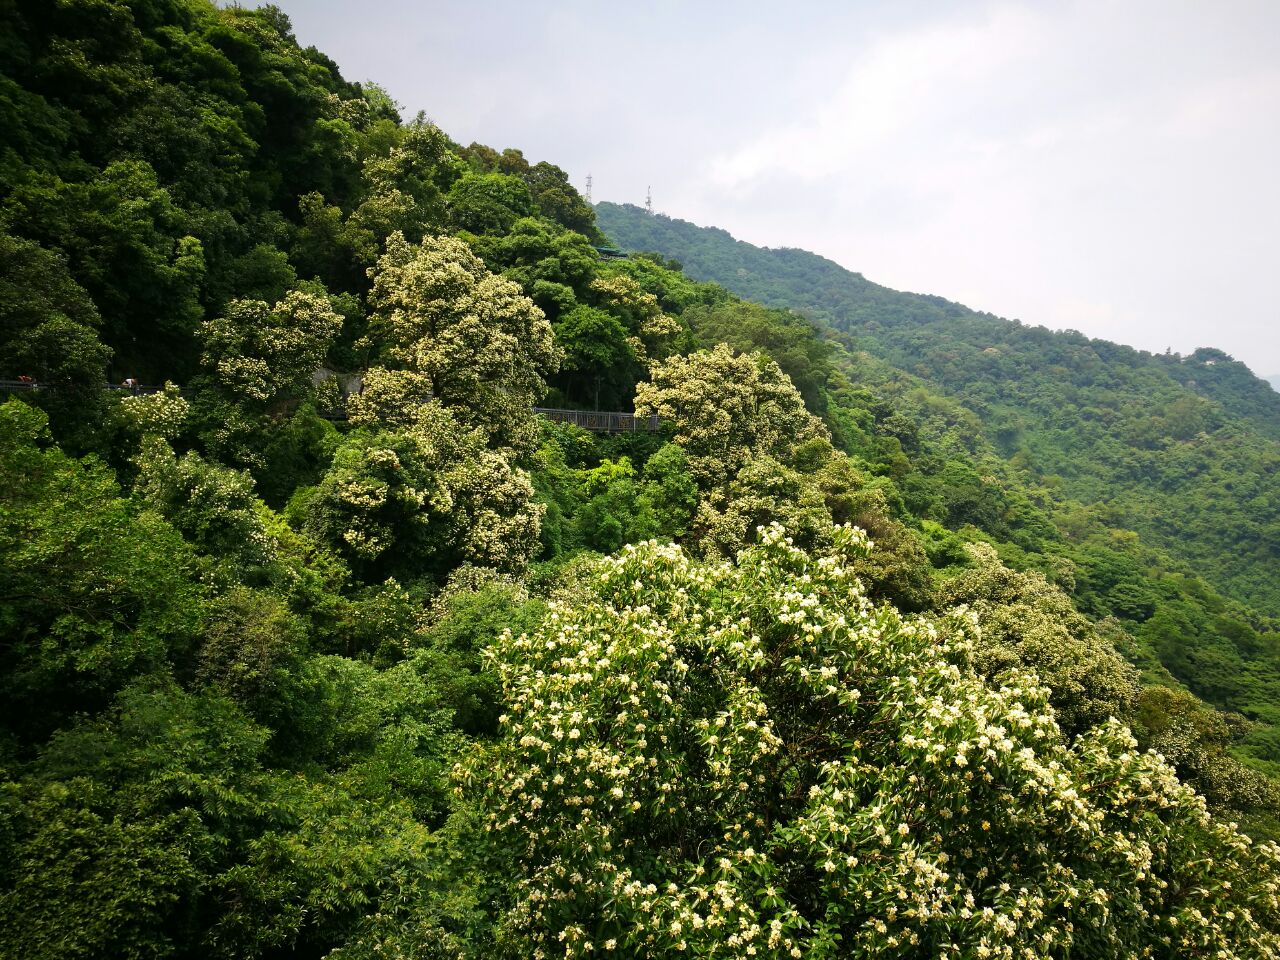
(601, 421)
(36, 385)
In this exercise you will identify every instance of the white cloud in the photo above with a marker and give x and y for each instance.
(1084, 163)
(1049, 163)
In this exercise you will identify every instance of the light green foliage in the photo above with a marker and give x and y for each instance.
(599, 502)
(260, 354)
(615, 508)
(158, 829)
(250, 645)
(546, 185)
(1027, 624)
(161, 414)
(599, 358)
(719, 760)
(670, 490)
(212, 506)
(724, 408)
(480, 347)
(470, 613)
(488, 202)
(542, 257)
(417, 500)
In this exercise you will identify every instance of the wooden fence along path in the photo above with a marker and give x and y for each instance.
(597, 421)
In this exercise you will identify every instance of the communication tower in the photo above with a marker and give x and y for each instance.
(588, 188)
(648, 200)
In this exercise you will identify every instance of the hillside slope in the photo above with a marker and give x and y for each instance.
(1183, 450)
(419, 673)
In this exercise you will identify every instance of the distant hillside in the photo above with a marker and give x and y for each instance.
(1184, 450)
(1274, 380)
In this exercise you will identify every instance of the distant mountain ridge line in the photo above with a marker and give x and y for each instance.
(1185, 451)
(625, 224)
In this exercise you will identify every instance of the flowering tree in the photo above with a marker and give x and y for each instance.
(259, 353)
(1027, 622)
(419, 499)
(726, 407)
(654, 333)
(474, 340)
(729, 760)
(160, 414)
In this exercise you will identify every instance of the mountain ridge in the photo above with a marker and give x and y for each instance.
(839, 314)
(1183, 450)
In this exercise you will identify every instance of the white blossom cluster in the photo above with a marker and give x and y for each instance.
(430, 491)
(160, 414)
(259, 352)
(726, 408)
(470, 338)
(750, 759)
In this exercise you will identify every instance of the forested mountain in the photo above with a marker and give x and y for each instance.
(333, 646)
(1183, 450)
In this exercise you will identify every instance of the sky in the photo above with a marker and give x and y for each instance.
(1108, 167)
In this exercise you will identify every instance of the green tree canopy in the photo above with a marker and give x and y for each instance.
(477, 344)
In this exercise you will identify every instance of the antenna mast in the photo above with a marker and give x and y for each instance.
(588, 188)
(648, 200)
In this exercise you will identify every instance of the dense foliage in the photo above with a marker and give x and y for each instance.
(1145, 485)
(333, 647)
(1183, 450)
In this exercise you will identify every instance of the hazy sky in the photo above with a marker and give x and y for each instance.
(1111, 167)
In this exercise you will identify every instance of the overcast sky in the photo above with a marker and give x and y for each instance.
(1110, 167)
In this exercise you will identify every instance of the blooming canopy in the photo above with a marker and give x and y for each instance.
(750, 759)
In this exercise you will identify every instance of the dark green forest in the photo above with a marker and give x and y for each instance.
(908, 632)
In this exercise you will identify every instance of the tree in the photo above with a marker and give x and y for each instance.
(479, 346)
(129, 246)
(789, 339)
(750, 759)
(93, 591)
(1027, 624)
(597, 354)
(725, 408)
(488, 203)
(261, 354)
(49, 331)
(655, 334)
(416, 500)
(542, 257)
(212, 506)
